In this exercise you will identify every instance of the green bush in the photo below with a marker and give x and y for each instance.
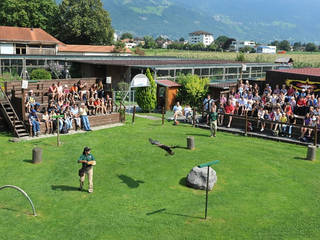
(240, 57)
(40, 74)
(193, 89)
(147, 96)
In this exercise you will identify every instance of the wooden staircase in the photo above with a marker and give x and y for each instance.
(15, 124)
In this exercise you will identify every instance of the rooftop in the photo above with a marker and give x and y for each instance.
(30, 35)
(301, 71)
(167, 83)
(197, 33)
(88, 48)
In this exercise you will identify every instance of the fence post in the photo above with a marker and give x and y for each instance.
(162, 115)
(133, 114)
(194, 117)
(246, 127)
(315, 135)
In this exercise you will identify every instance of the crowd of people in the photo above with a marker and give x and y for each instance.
(68, 104)
(280, 106)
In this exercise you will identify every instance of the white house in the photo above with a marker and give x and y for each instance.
(237, 45)
(267, 49)
(201, 37)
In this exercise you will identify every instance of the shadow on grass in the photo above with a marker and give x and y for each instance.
(155, 212)
(183, 182)
(300, 158)
(179, 147)
(28, 161)
(9, 209)
(169, 213)
(131, 183)
(64, 188)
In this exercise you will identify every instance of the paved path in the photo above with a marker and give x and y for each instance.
(148, 117)
(70, 133)
(259, 135)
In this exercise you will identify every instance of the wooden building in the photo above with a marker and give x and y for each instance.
(166, 93)
(300, 78)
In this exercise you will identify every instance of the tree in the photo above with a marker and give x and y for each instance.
(284, 45)
(221, 40)
(193, 89)
(246, 49)
(311, 47)
(119, 46)
(126, 36)
(213, 47)
(25, 13)
(40, 74)
(84, 22)
(149, 42)
(297, 46)
(181, 39)
(227, 43)
(147, 96)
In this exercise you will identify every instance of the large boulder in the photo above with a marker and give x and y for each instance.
(197, 178)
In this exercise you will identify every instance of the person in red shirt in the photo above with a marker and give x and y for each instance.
(97, 104)
(301, 106)
(229, 109)
(290, 91)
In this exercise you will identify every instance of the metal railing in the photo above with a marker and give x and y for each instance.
(24, 193)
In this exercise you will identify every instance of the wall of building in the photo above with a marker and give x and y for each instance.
(7, 48)
(299, 81)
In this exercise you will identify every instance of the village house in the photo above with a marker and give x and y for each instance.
(35, 41)
(201, 37)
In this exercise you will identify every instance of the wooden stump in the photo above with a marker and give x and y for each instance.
(37, 155)
(190, 143)
(311, 155)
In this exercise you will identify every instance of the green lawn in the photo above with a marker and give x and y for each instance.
(264, 190)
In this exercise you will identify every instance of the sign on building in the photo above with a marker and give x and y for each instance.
(140, 80)
(108, 80)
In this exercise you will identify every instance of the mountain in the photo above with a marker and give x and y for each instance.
(258, 20)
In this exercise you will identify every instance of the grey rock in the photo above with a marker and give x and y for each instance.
(197, 178)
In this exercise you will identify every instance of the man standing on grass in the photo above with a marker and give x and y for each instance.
(88, 161)
(213, 116)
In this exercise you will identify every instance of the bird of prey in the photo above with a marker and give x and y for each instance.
(160, 145)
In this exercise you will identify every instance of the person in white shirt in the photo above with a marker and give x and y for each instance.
(177, 109)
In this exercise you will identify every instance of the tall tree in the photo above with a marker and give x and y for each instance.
(311, 47)
(26, 13)
(149, 42)
(84, 22)
(147, 96)
(284, 45)
(126, 36)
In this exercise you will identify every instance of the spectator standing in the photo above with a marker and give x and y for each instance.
(213, 117)
(84, 117)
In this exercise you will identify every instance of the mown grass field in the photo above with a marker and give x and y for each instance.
(264, 190)
(300, 58)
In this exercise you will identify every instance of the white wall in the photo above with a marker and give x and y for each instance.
(6, 48)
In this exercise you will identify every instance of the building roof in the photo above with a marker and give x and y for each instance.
(301, 71)
(143, 62)
(29, 35)
(88, 49)
(198, 33)
(223, 85)
(167, 83)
